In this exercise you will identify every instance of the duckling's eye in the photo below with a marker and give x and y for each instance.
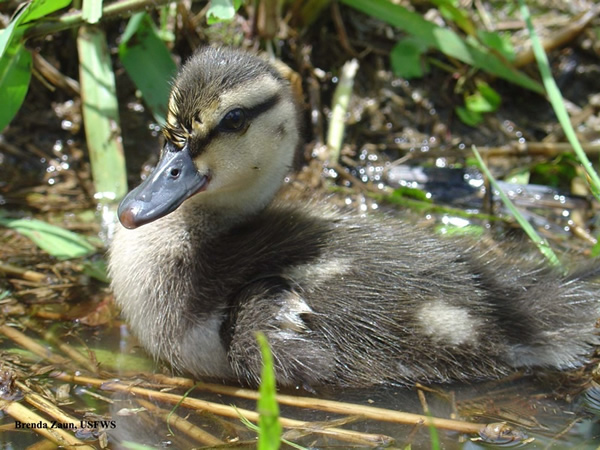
(234, 120)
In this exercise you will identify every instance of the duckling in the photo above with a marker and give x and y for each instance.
(207, 257)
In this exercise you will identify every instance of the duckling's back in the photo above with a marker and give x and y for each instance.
(352, 301)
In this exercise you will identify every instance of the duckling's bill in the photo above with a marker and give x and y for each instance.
(174, 179)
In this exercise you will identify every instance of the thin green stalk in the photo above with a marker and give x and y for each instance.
(539, 241)
(341, 100)
(75, 18)
(557, 101)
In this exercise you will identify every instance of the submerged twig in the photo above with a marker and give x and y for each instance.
(47, 407)
(25, 274)
(26, 342)
(181, 424)
(369, 412)
(229, 411)
(60, 437)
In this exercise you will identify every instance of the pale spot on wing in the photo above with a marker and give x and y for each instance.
(313, 274)
(448, 324)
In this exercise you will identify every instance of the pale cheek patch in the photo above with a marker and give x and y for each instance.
(447, 324)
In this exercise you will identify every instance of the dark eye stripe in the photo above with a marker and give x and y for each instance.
(251, 113)
(260, 108)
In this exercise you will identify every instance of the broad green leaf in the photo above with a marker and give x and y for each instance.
(101, 114)
(97, 270)
(449, 9)
(12, 32)
(222, 10)
(443, 39)
(29, 12)
(269, 437)
(407, 58)
(468, 117)
(15, 74)
(15, 59)
(489, 93)
(41, 8)
(60, 243)
(148, 63)
(498, 42)
(484, 100)
(595, 251)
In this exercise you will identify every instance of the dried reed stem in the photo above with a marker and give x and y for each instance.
(56, 435)
(182, 425)
(228, 411)
(370, 412)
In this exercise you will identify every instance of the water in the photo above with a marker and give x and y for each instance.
(543, 410)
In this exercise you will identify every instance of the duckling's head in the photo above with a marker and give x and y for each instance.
(230, 137)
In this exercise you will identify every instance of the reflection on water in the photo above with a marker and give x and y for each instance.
(535, 411)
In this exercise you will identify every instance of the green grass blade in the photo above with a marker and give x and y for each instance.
(12, 32)
(269, 437)
(15, 59)
(443, 39)
(60, 243)
(101, 114)
(15, 74)
(41, 8)
(148, 63)
(92, 11)
(539, 241)
(28, 13)
(557, 101)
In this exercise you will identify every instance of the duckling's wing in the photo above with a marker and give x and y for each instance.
(340, 306)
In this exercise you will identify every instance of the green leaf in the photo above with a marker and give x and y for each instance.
(595, 251)
(498, 42)
(15, 59)
(101, 114)
(15, 74)
(28, 13)
(408, 192)
(12, 32)
(41, 8)
(484, 100)
(60, 243)
(443, 39)
(148, 63)
(269, 437)
(407, 58)
(468, 117)
(222, 10)
(559, 172)
(449, 10)
(97, 270)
